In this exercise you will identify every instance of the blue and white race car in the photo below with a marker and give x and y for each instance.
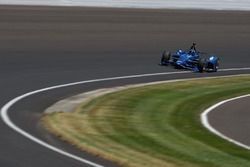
(191, 59)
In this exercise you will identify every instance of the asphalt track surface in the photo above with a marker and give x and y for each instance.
(225, 117)
(46, 46)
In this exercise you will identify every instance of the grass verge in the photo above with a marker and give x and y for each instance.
(154, 126)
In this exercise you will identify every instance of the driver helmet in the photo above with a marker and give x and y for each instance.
(180, 51)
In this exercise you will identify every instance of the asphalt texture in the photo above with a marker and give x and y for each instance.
(232, 120)
(46, 46)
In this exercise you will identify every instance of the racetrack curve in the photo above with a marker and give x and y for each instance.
(46, 46)
(231, 120)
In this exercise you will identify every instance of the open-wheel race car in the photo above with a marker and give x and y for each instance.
(191, 59)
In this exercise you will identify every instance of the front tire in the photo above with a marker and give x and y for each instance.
(201, 65)
(216, 66)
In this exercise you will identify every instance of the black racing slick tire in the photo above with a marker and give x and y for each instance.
(216, 66)
(201, 65)
(165, 56)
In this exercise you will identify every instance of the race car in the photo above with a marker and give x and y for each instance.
(191, 59)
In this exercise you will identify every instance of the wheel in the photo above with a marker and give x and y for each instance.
(216, 66)
(165, 57)
(201, 65)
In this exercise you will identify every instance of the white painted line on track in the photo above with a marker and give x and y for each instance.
(235, 69)
(7, 106)
(205, 121)
(148, 4)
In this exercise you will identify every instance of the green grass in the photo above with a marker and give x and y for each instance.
(154, 126)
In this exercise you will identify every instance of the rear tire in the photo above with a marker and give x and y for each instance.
(165, 57)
